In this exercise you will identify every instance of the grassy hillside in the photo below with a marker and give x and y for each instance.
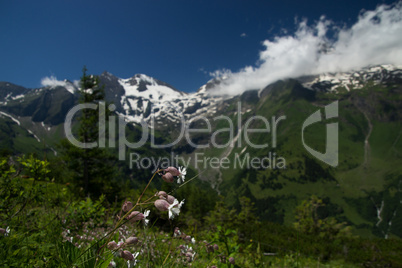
(363, 190)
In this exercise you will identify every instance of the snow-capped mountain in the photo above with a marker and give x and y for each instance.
(353, 79)
(31, 121)
(10, 91)
(143, 98)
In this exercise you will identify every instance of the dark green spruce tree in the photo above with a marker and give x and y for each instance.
(93, 170)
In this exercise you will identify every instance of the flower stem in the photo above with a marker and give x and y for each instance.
(120, 222)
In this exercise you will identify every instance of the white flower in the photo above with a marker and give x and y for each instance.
(134, 261)
(7, 231)
(184, 249)
(176, 232)
(146, 214)
(190, 256)
(112, 264)
(121, 243)
(174, 209)
(193, 240)
(182, 176)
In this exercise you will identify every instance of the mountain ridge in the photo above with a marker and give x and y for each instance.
(370, 147)
(140, 96)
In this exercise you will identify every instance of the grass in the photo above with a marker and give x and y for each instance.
(350, 180)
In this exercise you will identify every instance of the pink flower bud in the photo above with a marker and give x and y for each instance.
(127, 206)
(188, 238)
(168, 177)
(162, 205)
(127, 255)
(162, 194)
(210, 248)
(112, 245)
(232, 260)
(131, 240)
(216, 247)
(135, 216)
(2, 231)
(170, 199)
(173, 171)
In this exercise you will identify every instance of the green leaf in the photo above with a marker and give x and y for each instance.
(105, 263)
(68, 253)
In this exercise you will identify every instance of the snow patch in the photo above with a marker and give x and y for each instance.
(36, 137)
(12, 118)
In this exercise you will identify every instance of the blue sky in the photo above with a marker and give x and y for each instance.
(179, 42)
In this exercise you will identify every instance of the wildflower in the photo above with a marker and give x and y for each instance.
(131, 240)
(184, 249)
(146, 214)
(112, 245)
(162, 205)
(176, 232)
(170, 199)
(174, 209)
(190, 256)
(127, 255)
(182, 175)
(133, 261)
(168, 177)
(193, 240)
(120, 244)
(137, 216)
(127, 206)
(162, 194)
(173, 171)
(209, 247)
(216, 247)
(232, 260)
(112, 264)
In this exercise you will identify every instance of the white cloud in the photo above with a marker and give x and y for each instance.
(53, 82)
(77, 83)
(243, 35)
(374, 39)
(223, 73)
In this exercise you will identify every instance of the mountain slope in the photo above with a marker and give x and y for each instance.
(365, 189)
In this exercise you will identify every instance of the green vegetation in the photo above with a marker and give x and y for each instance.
(68, 210)
(356, 188)
(45, 223)
(92, 169)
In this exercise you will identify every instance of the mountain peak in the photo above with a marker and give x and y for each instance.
(107, 74)
(353, 79)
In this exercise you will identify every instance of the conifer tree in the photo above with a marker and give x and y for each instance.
(93, 169)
